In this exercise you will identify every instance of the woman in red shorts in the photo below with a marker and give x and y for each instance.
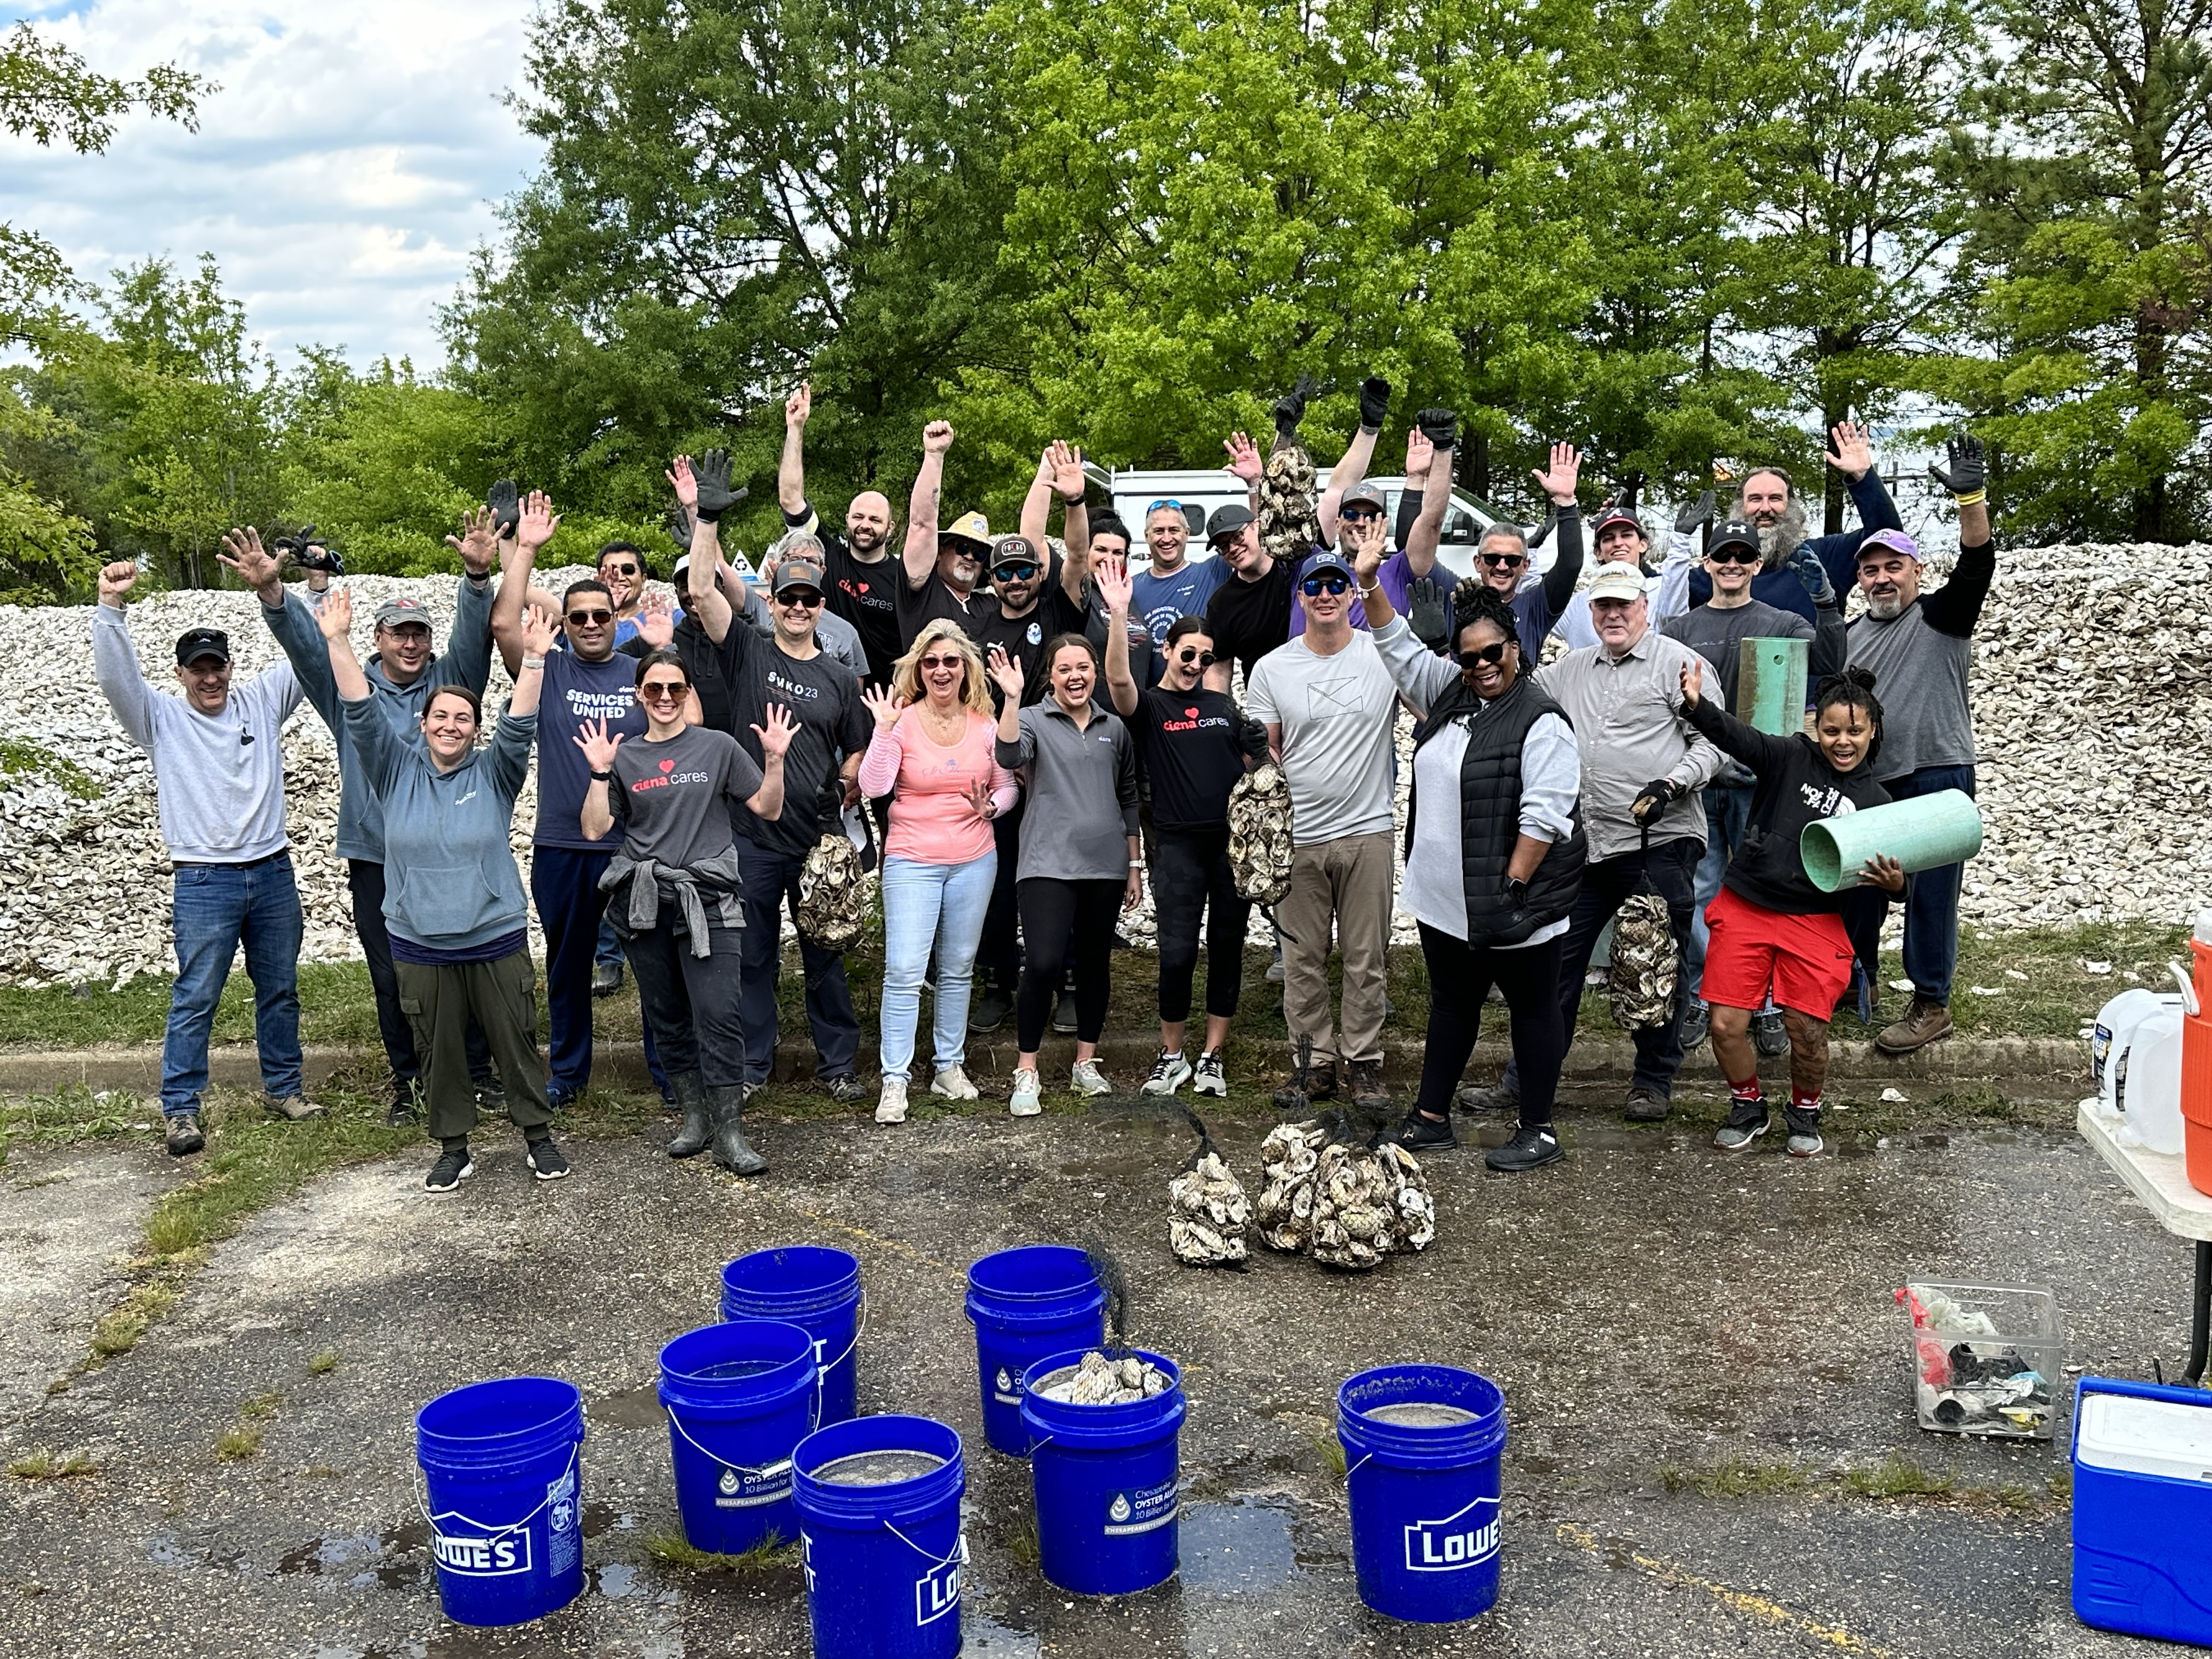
(1769, 924)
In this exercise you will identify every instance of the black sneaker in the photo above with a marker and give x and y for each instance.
(1063, 1013)
(1697, 1024)
(1475, 1099)
(1804, 1128)
(989, 1010)
(844, 1090)
(606, 978)
(185, 1137)
(1770, 1034)
(1419, 1134)
(1645, 1106)
(545, 1161)
(454, 1165)
(1747, 1120)
(406, 1105)
(1530, 1149)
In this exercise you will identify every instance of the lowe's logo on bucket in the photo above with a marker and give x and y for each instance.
(483, 1558)
(937, 1592)
(1460, 1541)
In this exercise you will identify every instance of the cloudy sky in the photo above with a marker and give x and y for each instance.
(342, 175)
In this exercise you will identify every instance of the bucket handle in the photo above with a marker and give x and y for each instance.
(823, 1368)
(2188, 987)
(959, 1548)
(676, 1422)
(422, 1502)
(1355, 1468)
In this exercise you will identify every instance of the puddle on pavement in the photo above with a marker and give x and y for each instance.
(635, 1408)
(1238, 1545)
(362, 1559)
(598, 1517)
(985, 1637)
(615, 1581)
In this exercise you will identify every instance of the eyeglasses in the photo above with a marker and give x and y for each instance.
(799, 597)
(1488, 653)
(1360, 514)
(621, 569)
(588, 618)
(1190, 654)
(1506, 561)
(663, 690)
(1012, 572)
(1334, 582)
(1734, 553)
(944, 662)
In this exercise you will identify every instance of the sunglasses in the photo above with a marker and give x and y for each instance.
(621, 569)
(944, 662)
(1314, 587)
(1361, 514)
(588, 618)
(1190, 654)
(1506, 561)
(1012, 572)
(1488, 653)
(1164, 501)
(1732, 554)
(799, 596)
(663, 690)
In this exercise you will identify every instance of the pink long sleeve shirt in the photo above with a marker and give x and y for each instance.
(933, 819)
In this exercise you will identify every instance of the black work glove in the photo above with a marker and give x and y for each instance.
(1374, 403)
(1653, 799)
(1632, 487)
(679, 531)
(1427, 612)
(1969, 474)
(1251, 737)
(1814, 575)
(1290, 410)
(1439, 425)
(308, 551)
(712, 474)
(505, 506)
(1516, 892)
(1696, 514)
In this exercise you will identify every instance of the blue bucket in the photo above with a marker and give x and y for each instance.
(883, 1562)
(1105, 1479)
(1028, 1303)
(740, 1397)
(501, 1468)
(1425, 1518)
(819, 1289)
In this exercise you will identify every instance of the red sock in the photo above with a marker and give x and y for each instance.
(1800, 1101)
(1747, 1090)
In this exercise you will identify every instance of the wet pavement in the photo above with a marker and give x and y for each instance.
(1658, 1314)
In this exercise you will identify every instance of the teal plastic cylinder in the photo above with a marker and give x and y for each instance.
(1770, 684)
(1924, 833)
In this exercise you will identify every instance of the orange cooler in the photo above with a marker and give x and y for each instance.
(2197, 1068)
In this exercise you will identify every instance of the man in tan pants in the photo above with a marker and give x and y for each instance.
(1328, 705)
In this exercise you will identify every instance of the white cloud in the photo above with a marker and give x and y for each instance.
(342, 176)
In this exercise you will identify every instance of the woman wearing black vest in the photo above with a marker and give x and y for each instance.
(1494, 854)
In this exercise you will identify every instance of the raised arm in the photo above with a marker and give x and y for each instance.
(704, 596)
(1359, 454)
(791, 466)
(599, 814)
(115, 659)
(538, 635)
(1036, 505)
(1112, 581)
(535, 523)
(1955, 607)
(1013, 750)
(1440, 427)
(920, 555)
(766, 802)
(293, 626)
(466, 659)
(1558, 483)
(1758, 750)
(1068, 483)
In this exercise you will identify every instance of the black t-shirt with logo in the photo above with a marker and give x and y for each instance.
(1024, 637)
(865, 595)
(833, 722)
(1188, 743)
(918, 607)
(1250, 619)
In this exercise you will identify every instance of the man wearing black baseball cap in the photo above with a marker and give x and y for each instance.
(219, 779)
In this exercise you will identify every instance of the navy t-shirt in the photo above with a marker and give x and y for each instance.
(575, 692)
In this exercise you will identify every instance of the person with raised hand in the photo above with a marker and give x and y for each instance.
(863, 577)
(453, 904)
(1502, 556)
(933, 752)
(219, 781)
(943, 563)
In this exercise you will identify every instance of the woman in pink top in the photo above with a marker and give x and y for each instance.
(931, 753)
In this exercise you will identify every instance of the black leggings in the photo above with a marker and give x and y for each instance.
(1050, 908)
(1191, 877)
(1460, 978)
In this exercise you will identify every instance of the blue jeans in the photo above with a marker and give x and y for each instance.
(1727, 813)
(219, 907)
(771, 881)
(924, 905)
(1931, 901)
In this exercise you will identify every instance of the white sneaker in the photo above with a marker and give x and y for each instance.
(1170, 1072)
(952, 1082)
(1087, 1079)
(1211, 1079)
(1027, 1099)
(890, 1105)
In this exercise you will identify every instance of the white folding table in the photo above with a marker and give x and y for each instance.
(2162, 1183)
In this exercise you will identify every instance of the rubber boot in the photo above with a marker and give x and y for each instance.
(698, 1129)
(732, 1150)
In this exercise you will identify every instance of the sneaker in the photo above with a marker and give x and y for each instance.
(557, 1100)
(1027, 1099)
(1368, 1097)
(293, 1109)
(1925, 1022)
(406, 1105)
(1211, 1078)
(1697, 1022)
(1419, 1134)
(951, 1082)
(891, 1104)
(989, 1010)
(491, 1097)
(1063, 1012)
(1478, 1099)
(185, 1137)
(1645, 1106)
(1804, 1128)
(1530, 1149)
(545, 1161)
(1085, 1078)
(606, 978)
(1747, 1120)
(1298, 1093)
(844, 1088)
(1769, 1034)
(454, 1165)
(1170, 1072)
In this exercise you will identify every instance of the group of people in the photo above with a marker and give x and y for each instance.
(1020, 728)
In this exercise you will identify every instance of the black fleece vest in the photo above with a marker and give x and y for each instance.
(1490, 815)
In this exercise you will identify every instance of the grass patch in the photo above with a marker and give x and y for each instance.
(674, 1549)
(73, 1113)
(1022, 1542)
(1332, 1453)
(1898, 1477)
(323, 1363)
(261, 1407)
(19, 758)
(1735, 1477)
(43, 1465)
(120, 1327)
(238, 1442)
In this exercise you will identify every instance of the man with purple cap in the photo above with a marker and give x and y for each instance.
(1919, 647)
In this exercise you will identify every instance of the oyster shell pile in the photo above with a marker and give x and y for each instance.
(1259, 833)
(1207, 1214)
(1342, 1203)
(1644, 964)
(1098, 1380)
(1290, 521)
(833, 893)
(1288, 1159)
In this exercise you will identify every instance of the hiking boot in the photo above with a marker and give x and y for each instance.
(293, 1109)
(1804, 1128)
(844, 1088)
(1697, 1022)
(1170, 1072)
(989, 1010)
(1422, 1133)
(1368, 1097)
(698, 1128)
(454, 1165)
(606, 978)
(1211, 1078)
(1026, 1101)
(1925, 1022)
(184, 1134)
(733, 1150)
(1770, 1035)
(1530, 1149)
(891, 1104)
(1063, 1012)
(1747, 1120)
(1476, 1099)
(1085, 1078)
(1646, 1106)
(545, 1160)
(1308, 1088)
(951, 1082)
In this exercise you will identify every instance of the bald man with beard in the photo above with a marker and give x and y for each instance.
(861, 575)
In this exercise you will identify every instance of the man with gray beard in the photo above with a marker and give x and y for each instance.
(1767, 499)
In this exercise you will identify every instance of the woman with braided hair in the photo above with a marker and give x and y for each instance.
(1494, 854)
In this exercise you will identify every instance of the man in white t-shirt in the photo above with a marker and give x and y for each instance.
(1328, 705)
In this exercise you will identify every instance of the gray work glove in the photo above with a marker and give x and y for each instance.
(712, 474)
(505, 508)
(1814, 574)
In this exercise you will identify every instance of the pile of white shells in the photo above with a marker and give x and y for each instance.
(1098, 1380)
(2093, 699)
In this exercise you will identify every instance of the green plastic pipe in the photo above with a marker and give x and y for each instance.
(1770, 684)
(1924, 833)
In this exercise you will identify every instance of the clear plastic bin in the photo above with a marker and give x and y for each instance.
(1987, 1360)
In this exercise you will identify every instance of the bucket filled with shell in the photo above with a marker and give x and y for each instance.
(1104, 1460)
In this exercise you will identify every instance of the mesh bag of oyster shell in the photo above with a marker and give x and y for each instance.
(1259, 833)
(1367, 1203)
(1645, 962)
(1288, 1158)
(1207, 1210)
(1098, 1380)
(1289, 522)
(833, 893)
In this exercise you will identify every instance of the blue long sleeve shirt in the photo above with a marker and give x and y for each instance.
(1780, 587)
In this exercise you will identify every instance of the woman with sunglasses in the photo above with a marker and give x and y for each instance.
(932, 752)
(1194, 744)
(1494, 853)
(674, 894)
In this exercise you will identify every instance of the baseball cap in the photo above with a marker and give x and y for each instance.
(393, 612)
(1736, 532)
(1896, 540)
(1227, 521)
(1618, 515)
(1015, 549)
(1364, 493)
(197, 642)
(1617, 581)
(1328, 559)
(968, 527)
(797, 573)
